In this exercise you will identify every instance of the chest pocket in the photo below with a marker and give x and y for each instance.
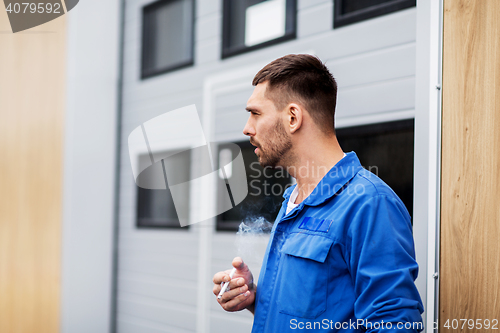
(304, 275)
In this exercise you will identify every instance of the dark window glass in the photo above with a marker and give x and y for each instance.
(155, 207)
(265, 191)
(386, 149)
(253, 24)
(167, 36)
(352, 11)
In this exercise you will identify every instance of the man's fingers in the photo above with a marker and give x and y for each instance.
(233, 303)
(221, 277)
(238, 263)
(235, 283)
(216, 289)
(218, 277)
(234, 292)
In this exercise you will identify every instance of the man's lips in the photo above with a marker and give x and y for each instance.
(255, 145)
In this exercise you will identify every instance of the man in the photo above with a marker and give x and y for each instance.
(341, 254)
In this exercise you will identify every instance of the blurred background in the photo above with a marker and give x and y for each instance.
(84, 249)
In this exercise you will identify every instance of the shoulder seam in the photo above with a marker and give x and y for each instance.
(374, 186)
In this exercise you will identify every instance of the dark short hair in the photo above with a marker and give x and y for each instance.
(302, 78)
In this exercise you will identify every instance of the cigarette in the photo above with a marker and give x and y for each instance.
(226, 284)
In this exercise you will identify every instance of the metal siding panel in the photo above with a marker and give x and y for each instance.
(232, 123)
(303, 4)
(167, 290)
(171, 315)
(136, 325)
(167, 242)
(372, 67)
(236, 99)
(159, 267)
(128, 327)
(228, 323)
(383, 97)
(206, 7)
(208, 27)
(207, 51)
(366, 36)
(315, 20)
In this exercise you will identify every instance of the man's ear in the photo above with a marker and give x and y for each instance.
(295, 116)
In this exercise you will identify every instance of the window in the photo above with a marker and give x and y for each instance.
(155, 206)
(386, 149)
(253, 24)
(352, 11)
(167, 36)
(265, 191)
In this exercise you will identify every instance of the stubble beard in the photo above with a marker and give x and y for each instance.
(277, 147)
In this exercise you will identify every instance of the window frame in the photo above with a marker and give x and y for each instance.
(140, 221)
(143, 225)
(227, 51)
(145, 41)
(231, 225)
(340, 20)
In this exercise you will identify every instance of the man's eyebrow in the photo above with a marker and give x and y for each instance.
(250, 109)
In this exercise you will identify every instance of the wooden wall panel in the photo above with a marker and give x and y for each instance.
(470, 198)
(32, 77)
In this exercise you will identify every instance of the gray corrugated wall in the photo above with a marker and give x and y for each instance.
(158, 270)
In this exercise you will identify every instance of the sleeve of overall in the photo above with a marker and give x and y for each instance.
(383, 267)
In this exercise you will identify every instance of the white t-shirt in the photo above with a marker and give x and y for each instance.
(291, 205)
(291, 202)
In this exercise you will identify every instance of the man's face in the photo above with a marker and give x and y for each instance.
(266, 130)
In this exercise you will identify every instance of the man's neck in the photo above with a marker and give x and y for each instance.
(312, 163)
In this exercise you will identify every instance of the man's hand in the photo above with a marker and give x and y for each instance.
(241, 291)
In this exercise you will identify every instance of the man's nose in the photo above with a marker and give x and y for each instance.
(248, 129)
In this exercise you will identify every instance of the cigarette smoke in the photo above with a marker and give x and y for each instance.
(251, 239)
